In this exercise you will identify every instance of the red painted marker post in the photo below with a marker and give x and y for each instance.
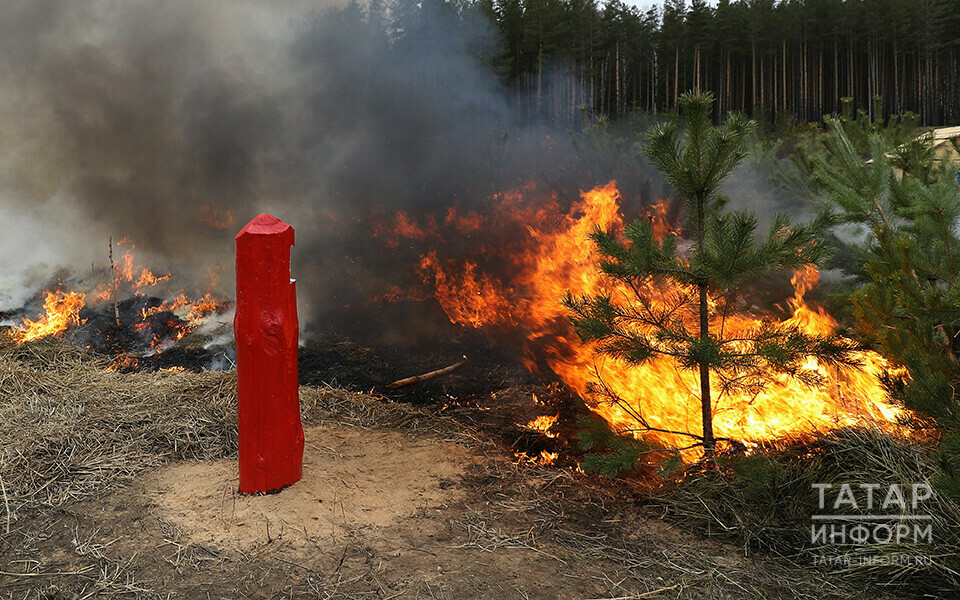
(267, 333)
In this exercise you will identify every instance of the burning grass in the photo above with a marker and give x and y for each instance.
(130, 310)
(536, 249)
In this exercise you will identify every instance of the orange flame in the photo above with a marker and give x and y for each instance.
(126, 278)
(467, 299)
(202, 307)
(61, 311)
(148, 279)
(215, 218)
(804, 317)
(543, 424)
(124, 363)
(661, 222)
(557, 257)
(401, 227)
(125, 268)
(547, 458)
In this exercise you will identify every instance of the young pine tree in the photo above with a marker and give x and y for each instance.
(717, 252)
(907, 301)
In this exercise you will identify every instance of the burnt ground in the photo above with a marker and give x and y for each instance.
(492, 391)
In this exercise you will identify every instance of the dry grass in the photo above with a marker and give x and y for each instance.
(573, 518)
(328, 404)
(71, 430)
(766, 502)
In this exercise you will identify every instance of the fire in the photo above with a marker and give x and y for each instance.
(215, 218)
(124, 363)
(468, 298)
(547, 458)
(174, 317)
(811, 321)
(401, 227)
(545, 252)
(126, 275)
(61, 312)
(148, 279)
(472, 222)
(543, 424)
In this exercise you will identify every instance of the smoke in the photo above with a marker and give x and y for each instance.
(173, 123)
(137, 119)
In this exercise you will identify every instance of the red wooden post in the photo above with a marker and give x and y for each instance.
(267, 333)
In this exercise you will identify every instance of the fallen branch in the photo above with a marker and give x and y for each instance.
(418, 378)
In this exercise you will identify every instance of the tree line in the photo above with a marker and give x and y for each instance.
(769, 59)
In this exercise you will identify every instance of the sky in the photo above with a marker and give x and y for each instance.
(645, 5)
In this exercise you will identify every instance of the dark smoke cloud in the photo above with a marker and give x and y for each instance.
(141, 118)
(141, 114)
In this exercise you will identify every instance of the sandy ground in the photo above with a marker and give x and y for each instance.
(387, 514)
(108, 501)
(354, 482)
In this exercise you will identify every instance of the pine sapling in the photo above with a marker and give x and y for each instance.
(697, 277)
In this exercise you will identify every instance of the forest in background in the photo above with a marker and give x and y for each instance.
(773, 60)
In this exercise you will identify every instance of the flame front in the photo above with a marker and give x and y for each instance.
(555, 256)
(61, 312)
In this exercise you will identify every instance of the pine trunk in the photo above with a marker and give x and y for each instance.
(706, 406)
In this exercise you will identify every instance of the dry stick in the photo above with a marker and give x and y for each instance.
(6, 503)
(116, 283)
(418, 378)
(82, 571)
